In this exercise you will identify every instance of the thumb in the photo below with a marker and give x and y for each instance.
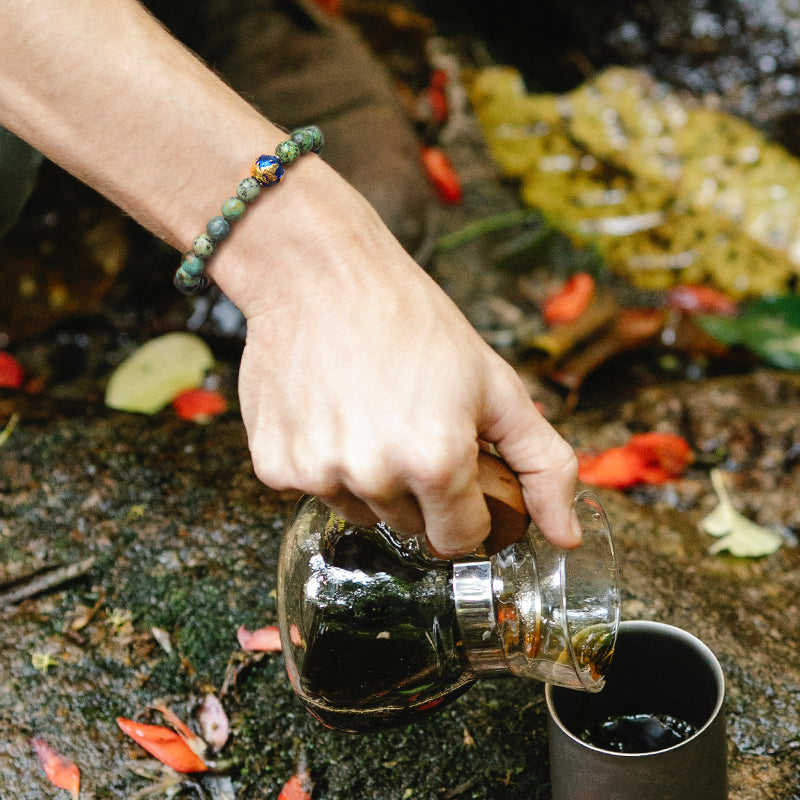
(545, 463)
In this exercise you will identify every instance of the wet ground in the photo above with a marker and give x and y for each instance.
(183, 539)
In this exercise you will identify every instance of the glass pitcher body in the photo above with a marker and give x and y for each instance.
(376, 631)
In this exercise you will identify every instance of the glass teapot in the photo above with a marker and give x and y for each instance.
(376, 630)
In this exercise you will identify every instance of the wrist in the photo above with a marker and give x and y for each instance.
(266, 172)
(310, 233)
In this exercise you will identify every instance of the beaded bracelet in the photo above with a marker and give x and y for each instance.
(266, 171)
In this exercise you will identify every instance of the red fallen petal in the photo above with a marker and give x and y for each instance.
(196, 743)
(439, 79)
(667, 451)
(12, 373)
(436, 101)
(267, 639)
(697, 299)
(165, 745)
(60, 771)
(441, 174)
(646, 458)
(570, 301)
(295, 789)
(435, 96)
(199, 405)
(616, 468)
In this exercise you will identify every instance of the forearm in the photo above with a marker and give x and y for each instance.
(103, 90)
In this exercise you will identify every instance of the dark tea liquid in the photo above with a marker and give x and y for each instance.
(638, 733)
(380, 656)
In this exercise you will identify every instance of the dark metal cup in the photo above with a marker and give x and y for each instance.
(657, 671)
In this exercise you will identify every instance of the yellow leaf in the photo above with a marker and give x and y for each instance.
(738, 535)
(666, 191)
(157, 372)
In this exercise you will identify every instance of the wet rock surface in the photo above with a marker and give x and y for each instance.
(185, 539)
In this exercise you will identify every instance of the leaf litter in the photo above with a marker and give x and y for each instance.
(60, 771)
(738, 535)
(158, 371)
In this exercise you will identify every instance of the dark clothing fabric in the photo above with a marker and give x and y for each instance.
(19, 164)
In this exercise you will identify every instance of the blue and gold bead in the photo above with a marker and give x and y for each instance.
(204, 246)
(233, 208)
(218, 228)
(287, 151)
(267, 170)
(248, 189)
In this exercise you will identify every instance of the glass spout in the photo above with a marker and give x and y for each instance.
(540, 612)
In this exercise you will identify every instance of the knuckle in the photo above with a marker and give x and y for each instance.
(368, 474)
(270, 474)
(560, 456)
(323, 480)
(441, 466)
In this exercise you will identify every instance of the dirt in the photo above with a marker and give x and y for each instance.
(185, 539)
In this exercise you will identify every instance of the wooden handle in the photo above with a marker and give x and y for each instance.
(503, 494)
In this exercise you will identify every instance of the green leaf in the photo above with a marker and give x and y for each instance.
(737, 534)
(768, 328)
(152, 376)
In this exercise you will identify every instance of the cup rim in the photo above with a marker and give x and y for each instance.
(651, 626)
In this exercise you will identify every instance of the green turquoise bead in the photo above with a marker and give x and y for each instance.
(204, 246)
(188, 284)
(233, 208)
(192, 265)
(218, 228)
(287, 151)
(317, 138)
(303, 139)
(248, 189)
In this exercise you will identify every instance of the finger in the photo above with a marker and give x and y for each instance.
(456, 521)
(544, 462)
(549, 491)
(350, 507)
(401, 512)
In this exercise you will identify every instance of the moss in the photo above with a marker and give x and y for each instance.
(202, 610)
(493, 738)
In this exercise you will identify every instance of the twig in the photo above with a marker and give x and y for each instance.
(457, 790)
(562, 339)
(9, 428)
(41, 582)
(480, 227)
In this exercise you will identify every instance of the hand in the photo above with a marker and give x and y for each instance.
(362, 383)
